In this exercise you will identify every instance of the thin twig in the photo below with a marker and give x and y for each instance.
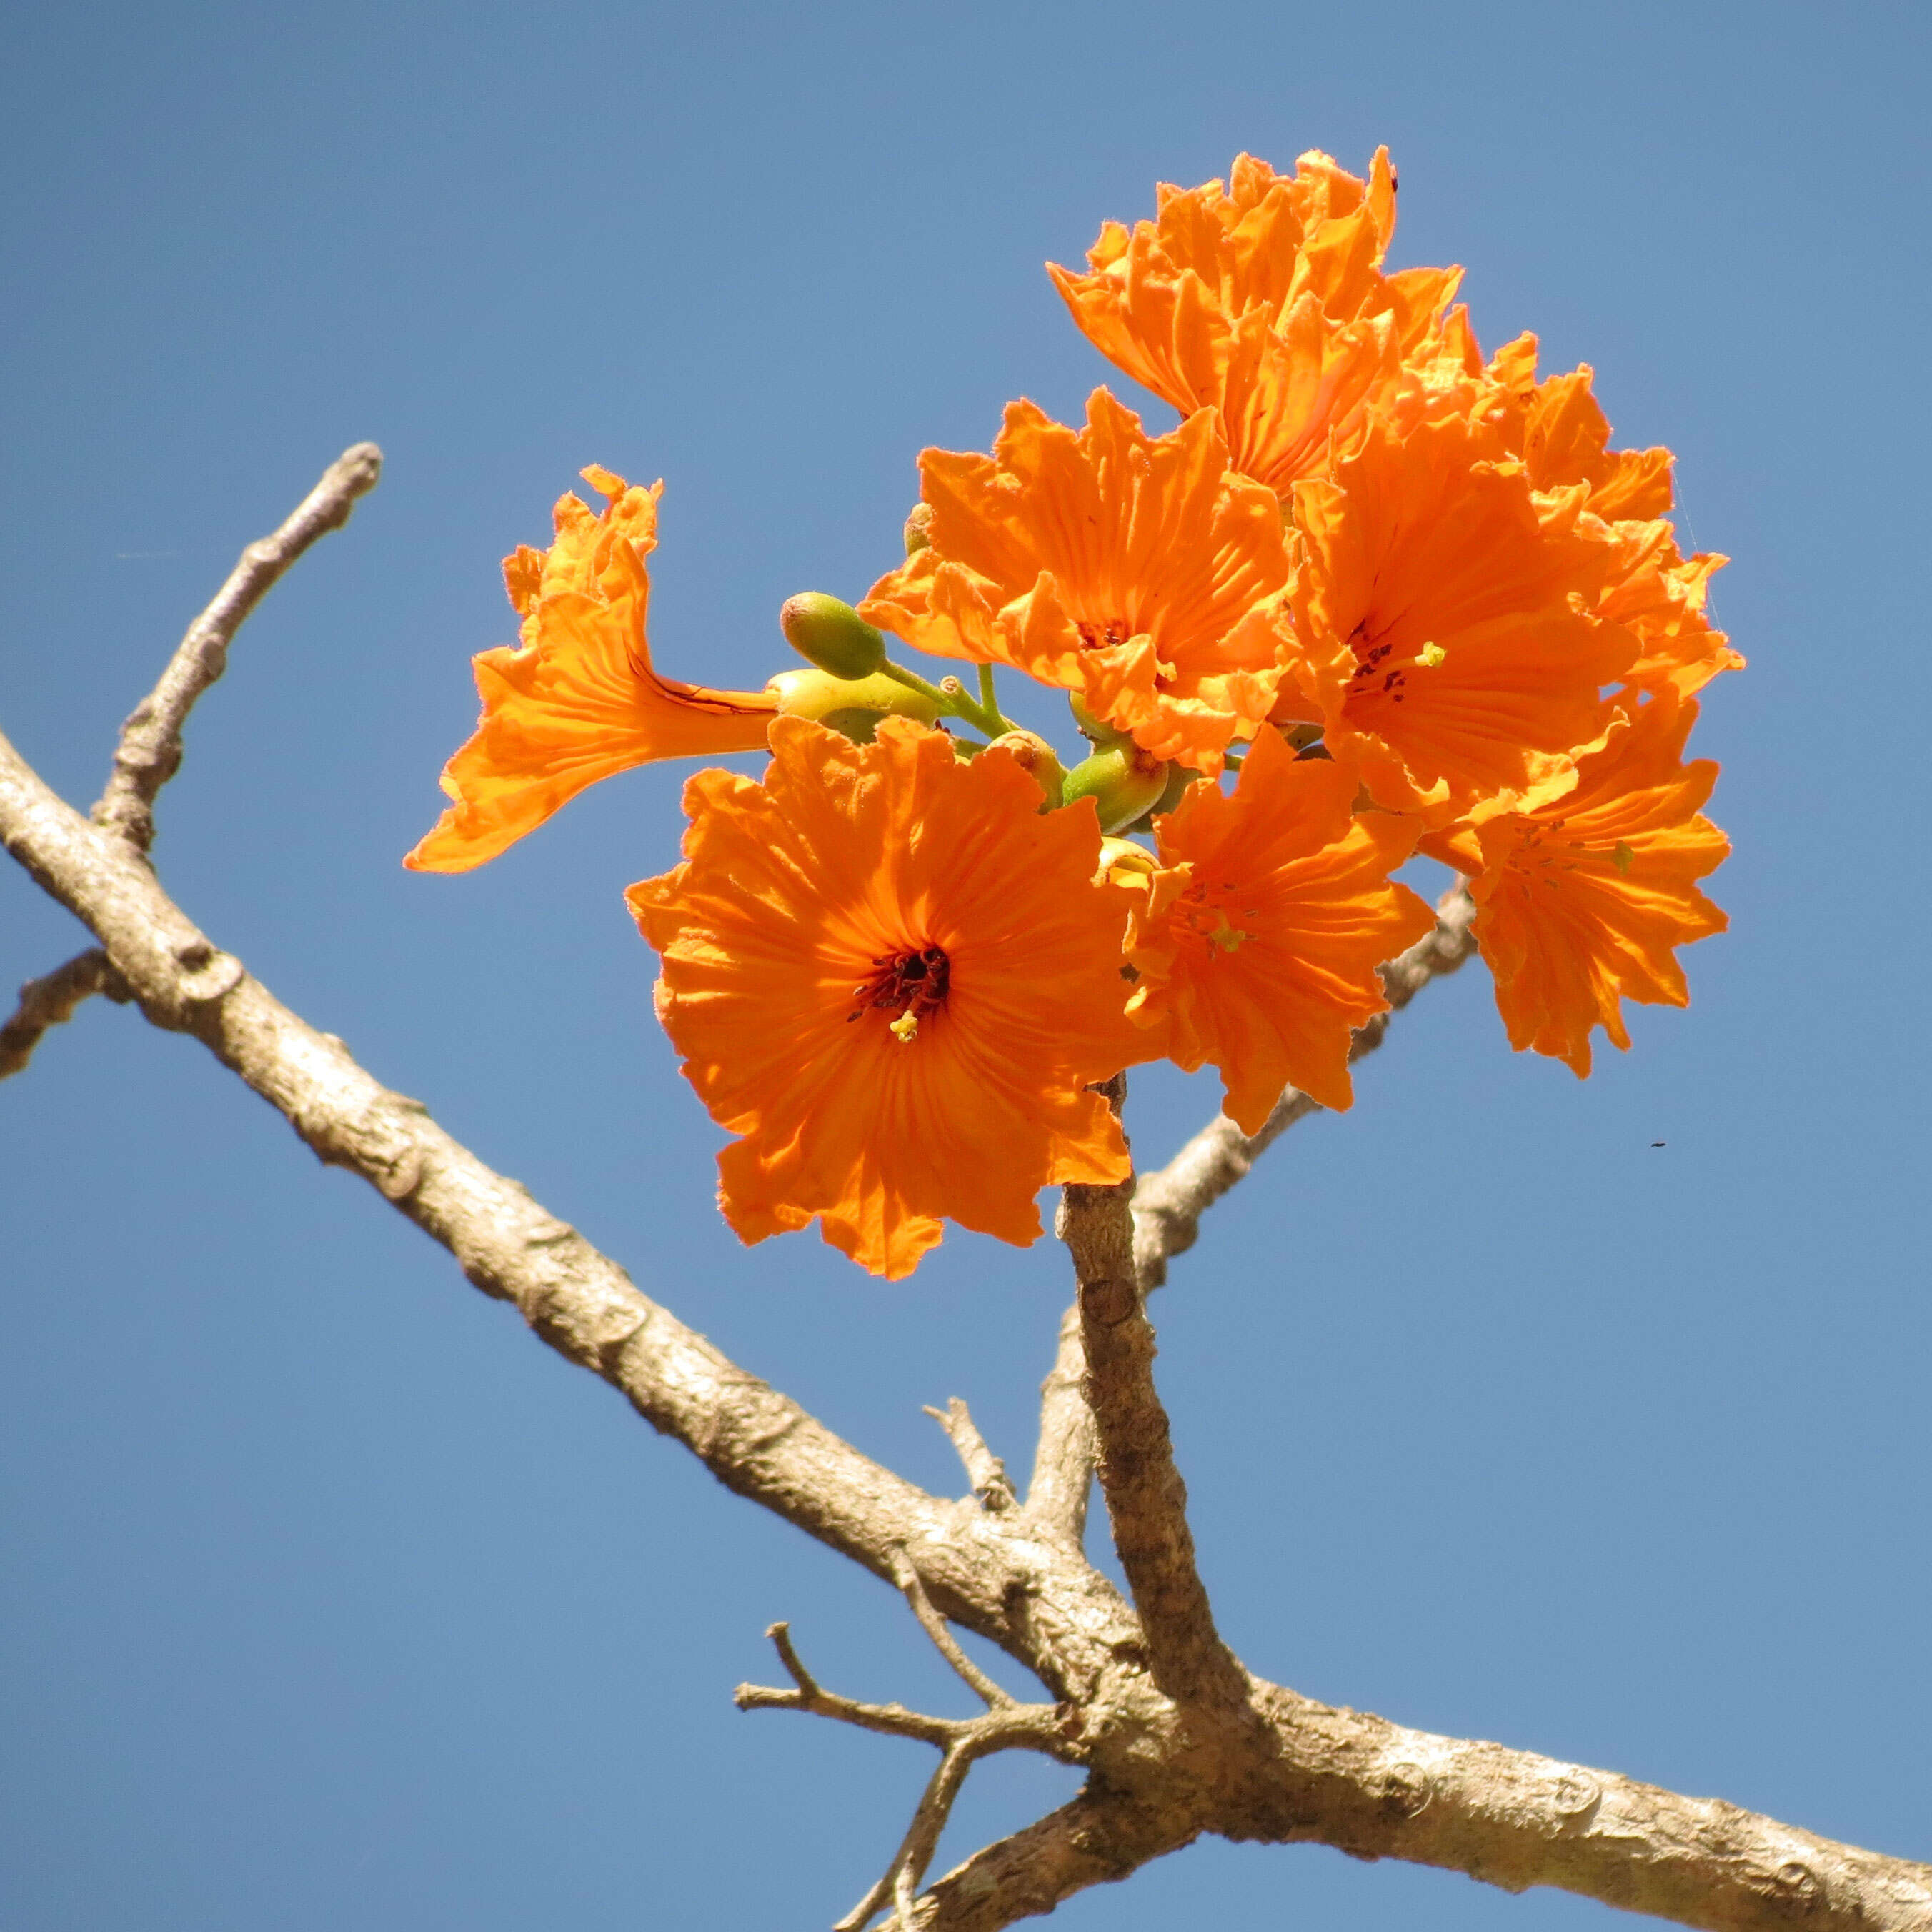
(1006, 1725)
(1147, 1501)
(891, 1721)
(943, 1641)
(1062, 1464)
(984, 1470)
(1169, 1203)
(149, 753)
(51, 999)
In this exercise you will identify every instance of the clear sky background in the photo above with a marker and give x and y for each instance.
(329, 1596)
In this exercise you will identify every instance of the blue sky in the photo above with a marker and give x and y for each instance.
(328, 1595)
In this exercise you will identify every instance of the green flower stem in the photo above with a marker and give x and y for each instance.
(950, 695)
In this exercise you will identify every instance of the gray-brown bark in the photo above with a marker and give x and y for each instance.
(1178, 1739)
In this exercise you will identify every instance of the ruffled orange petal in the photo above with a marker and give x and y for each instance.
(578, 700)
(1132, 569)
(1583, 901)
(1442, 616)
(1257, 945)
(1266, 302)
(799, 890)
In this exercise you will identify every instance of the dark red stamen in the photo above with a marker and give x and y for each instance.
(901, 982)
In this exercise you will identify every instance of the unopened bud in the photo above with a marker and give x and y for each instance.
(1122, 781)
(832, 634)
(1096, 731)
(1037, 758)
(854, 706)
(1179, 778)
(919, 529)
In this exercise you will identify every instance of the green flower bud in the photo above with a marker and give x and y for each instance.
(832, 634)
(1179, 778)
(919, 529)
(1037, 758)
(1096, 731)
(1122, 781)
(831, 700)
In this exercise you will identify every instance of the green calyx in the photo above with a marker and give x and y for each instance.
(852, 706)
(832, 635)
(1179, 778)
(1038, 760)
(1122, 780)
(1097, 731)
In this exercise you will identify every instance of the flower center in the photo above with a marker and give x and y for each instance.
(911, 985)
(1114, 631)
(1207, 918)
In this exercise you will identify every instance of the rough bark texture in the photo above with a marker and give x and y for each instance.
(1178, 1739)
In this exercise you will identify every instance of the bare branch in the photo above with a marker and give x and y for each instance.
(149, 753)
(1007, 1725)
(1513, 1819)
(1063, 1466)
(1100, 1838)
(984, 1470)
(1147, 1501)
(901, 1880)
(51, 1001)
(1169, 1203)
(943, 1641)
(892, 1720)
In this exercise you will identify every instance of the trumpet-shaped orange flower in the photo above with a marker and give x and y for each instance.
(1257, 941)
(1266, 301)
(1442, 618)
(893, 976)
(1584, 899)
(1132, 570)
(577, 700)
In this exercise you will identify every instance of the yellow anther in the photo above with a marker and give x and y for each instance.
(903, 1028)
(1431, 655)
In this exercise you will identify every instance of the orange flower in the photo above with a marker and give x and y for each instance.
(1130, 569)
(1557, 429)
(892, 974)
(1257, 941)
(1266, 301)
(577, 700)
(1584, 899)
(1441, 618)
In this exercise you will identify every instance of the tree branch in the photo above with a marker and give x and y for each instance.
(1169, 1203)
(50, 1001)
(1063, 1466)
(984, 1470)
(1147, 1501)
(1100, 1838)
(1006, 1725)
(1512, 1819)
(149, 753)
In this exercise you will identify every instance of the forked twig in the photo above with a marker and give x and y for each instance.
(1006, 1725)
(149, 752)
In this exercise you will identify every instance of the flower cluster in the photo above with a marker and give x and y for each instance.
(1377, 595)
